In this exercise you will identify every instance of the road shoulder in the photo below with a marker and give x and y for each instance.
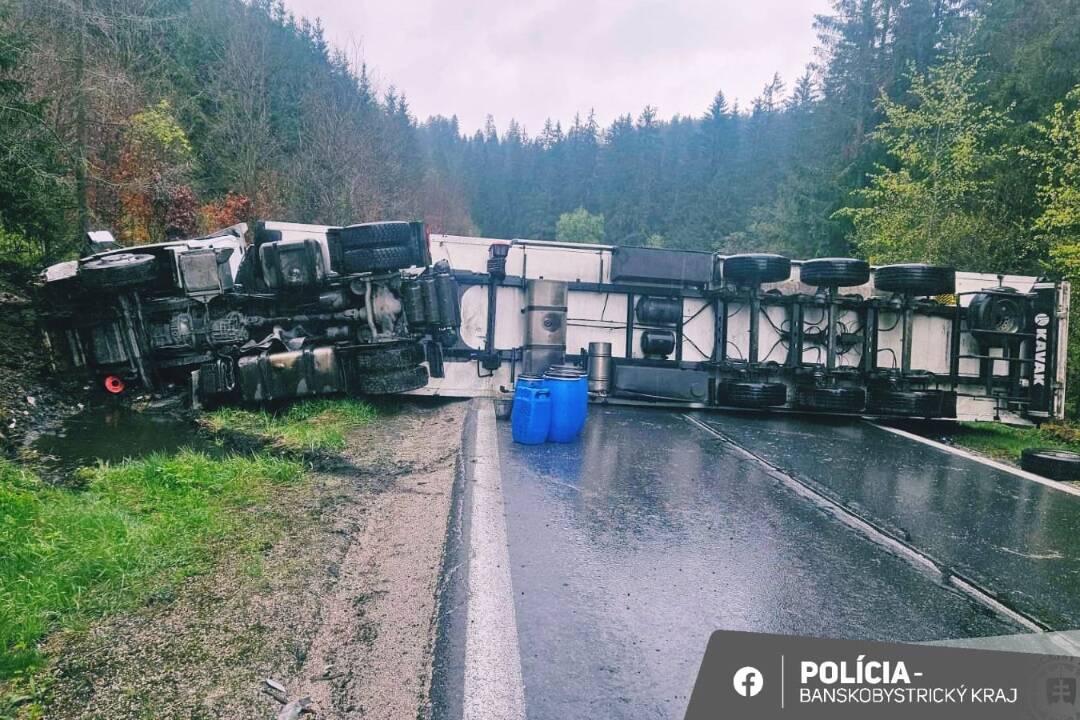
(341, 608)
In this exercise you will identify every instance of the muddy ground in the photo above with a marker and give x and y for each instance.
(31, 396)
(341, 609)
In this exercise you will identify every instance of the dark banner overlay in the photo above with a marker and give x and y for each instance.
(749, 675)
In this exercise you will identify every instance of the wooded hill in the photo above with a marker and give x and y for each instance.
(937, 130)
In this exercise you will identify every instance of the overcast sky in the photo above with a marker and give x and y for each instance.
(535, 59)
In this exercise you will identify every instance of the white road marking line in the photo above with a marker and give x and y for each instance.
(493, 684)
(913, 556)
(1003, 467)
(829, 506)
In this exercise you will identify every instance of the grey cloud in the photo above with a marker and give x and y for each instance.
(552, 58)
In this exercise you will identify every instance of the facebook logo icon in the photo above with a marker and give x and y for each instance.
(748, 682)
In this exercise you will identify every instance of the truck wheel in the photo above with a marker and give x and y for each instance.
(376, 234)
(379, 259)
(911, 403)
(394, 381)
(120, 271)
(833, 399)
(755, 395)
(996, 318)
(1050, 463)
(915, 279)
(835, 272)
(379, 246)
(375, 358)
(756, 268)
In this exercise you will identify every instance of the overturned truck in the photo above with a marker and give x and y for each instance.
(385, 308)
(303, 311)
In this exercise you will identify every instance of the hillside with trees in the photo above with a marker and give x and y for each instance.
(936, 130)
(923, 130)
(162, 118)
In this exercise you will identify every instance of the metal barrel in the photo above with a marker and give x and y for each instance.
(545, 325)
(600, 367)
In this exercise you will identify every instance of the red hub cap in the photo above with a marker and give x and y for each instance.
(114, 385)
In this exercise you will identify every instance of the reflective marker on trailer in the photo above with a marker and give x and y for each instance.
(114, 385)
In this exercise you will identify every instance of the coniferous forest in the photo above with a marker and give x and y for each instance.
(936, 130)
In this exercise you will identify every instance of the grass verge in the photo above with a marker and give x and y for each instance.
(134, 530)
(1005, 442)
(304, 427)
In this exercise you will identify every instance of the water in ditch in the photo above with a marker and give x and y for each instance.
(113, 434)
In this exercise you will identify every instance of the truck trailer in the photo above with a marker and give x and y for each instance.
(756, 331)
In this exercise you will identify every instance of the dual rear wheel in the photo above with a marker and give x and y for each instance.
(387, 368)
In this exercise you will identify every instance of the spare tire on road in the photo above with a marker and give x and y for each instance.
(916, 279)
(835, 272)
(119, 271)
(1051, 463)
(756, 268)
(754, 394)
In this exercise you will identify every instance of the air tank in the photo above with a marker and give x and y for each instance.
(431, 301)
(412, 297)
(659, 310)
(657, 343)
(446, 292)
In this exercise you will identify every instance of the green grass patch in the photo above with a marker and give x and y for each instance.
(1006, 442)
(131, 534)
(308, 426)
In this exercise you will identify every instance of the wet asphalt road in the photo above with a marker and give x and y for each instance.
(1016, 538)
(630, 546)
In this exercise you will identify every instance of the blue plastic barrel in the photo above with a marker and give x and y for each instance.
(530, 417)
(569, 388)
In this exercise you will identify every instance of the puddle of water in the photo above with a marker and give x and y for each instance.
(114, 434)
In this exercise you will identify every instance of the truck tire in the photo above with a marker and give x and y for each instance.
(756, 268)
(833, 399)
(835, 272)
(379, 259)
(394, 381)
(996, 318)
(911, 403)
(379, 357)
(755, 395)
(1051, 463)
(376, 234)
(916, 279)
(118, 272)
(377, 247)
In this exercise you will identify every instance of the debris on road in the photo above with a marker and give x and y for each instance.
(275, 690)
(294, 709)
